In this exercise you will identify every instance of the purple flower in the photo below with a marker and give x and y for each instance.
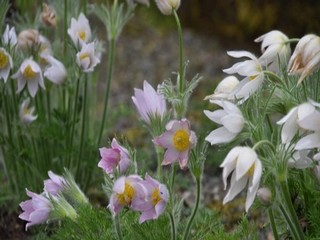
(126, 191)
(54, 184)
(114, 157)
(149, 103)
(155, 202)
(36, 210)
(178, 140)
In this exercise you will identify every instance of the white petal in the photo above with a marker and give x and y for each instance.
(220, 135)
(216, 115)
(236, 188)
(246, 159)
(233, 122)
(308, 142)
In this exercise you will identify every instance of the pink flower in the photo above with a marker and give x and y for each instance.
(36, 210)
(114, 157)
(54, 184)
(155, 202)
(149, 103)
(178, 140)
(126, 191)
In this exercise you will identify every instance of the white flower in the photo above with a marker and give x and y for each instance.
(167, 6)
(306, 57)
(276, 51)
(251, 70)
(55, 72)
(224, 88)
(5, 64)
(231, 118)
(296, 117)
(29, 73)
(246, 170)
(80, 31)
(300, 160)
(87, 58)
(9, 37)
(26, 113)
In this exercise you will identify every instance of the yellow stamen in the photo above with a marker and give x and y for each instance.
(3, 60)
(84, 55)
(29, 73)
(251, 171)
(155, 197)
(252, 77)
(82, 35)
(126, 197)
(181, 140)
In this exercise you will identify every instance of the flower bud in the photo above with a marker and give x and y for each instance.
(167, 6)
(48, 16)
(265, 196)
(28, 38)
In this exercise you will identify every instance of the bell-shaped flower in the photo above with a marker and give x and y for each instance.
(126, 191)
(35, 210)
(87, 58)
(156, 200)
(26, 113)
(5, 64)
(116, 157)
(306, 57)
(246, 169)
(167, 6)
(275, 50)
(251, 70)
(9, 37)
(293, 120)
(177, 140)
(29, 73)
(230, 117)
(149, 103)
(55, 71)
(80, 31)
(28, 39)
(300, 159)
(54, 184)
(224, 89)
(309, 141)
(48, 16)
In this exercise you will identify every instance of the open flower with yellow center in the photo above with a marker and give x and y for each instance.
(246, 169)
(126, 191)
(87, 58)
(306, 57)
(178, 140)
(26, 113)
(156, 200)
(9, 37)
(230, 117)
(251, 70)
(80, 31)
(5, 64)
(29, 73)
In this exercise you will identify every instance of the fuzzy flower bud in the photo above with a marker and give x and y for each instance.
(167, 6)
(28, 38)
(48, 16)
(265, 196)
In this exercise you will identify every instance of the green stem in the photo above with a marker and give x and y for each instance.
(173, 226)
(263, 142)
(292, 212)
(48, 105)
(112, 43)
(65, 28)
(273, 224)
(159, 159)
(7, 114)
(292, 40)
(118, 227)
(288, 220)
(194, 212)
(181, 75)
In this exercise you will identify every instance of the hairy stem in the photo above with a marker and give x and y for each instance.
(181, 75)
(173, 226)
(273, 224)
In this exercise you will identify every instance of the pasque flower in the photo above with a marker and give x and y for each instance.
(149, 103)
(36, 210)
(28, 38)
(306, 57)
(167, 6)
(9, 37)
(29, 73)
(224, 89)
(246, 169)
(250, 69)
(26, 113)
(276, 50)
(230, 117)
(54, 184)
(115, 157)
(87, 58)
(177, 140)
(5, 64)
(156, 199)
(126, 191)
(48, 16)
(55, 71)
(80, 31)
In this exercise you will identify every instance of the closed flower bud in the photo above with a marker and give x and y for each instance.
(265, 196)
(48, 16)
(167, 6)
(28, 38)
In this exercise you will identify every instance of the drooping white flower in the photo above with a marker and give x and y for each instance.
(26, 113)
(87, 58)
(167, 6)
(55, 72)
(306, 57)
(300, 159)
(5, 64)
(9, 37)
(250, 69)
(276, 50)
(29, 73)
(246, 169)
(224, 89)
(230, 117)
(80, 31)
